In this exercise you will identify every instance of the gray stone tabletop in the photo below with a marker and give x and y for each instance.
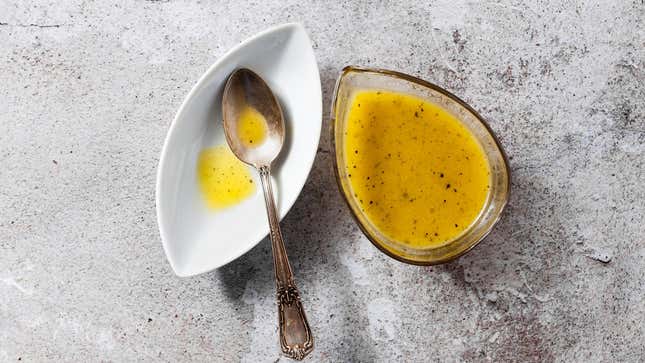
(89, 88)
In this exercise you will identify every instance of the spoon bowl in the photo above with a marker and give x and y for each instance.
(245, 88)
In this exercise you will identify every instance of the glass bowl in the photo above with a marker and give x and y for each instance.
(353, 79)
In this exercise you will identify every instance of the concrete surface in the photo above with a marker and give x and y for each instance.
(88, 89)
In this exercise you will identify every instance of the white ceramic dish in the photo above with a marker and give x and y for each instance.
(197, 239)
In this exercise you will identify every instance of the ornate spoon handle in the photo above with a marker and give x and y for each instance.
(296, 340)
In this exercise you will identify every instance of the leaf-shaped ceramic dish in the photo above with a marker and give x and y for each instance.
(197, 239)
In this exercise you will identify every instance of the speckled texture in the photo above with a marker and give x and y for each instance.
(88, 90)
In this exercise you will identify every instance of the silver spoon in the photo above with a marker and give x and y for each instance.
(244, 88)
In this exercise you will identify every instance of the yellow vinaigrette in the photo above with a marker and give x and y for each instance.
(418, 174)
(223, 179)
(251, 127)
